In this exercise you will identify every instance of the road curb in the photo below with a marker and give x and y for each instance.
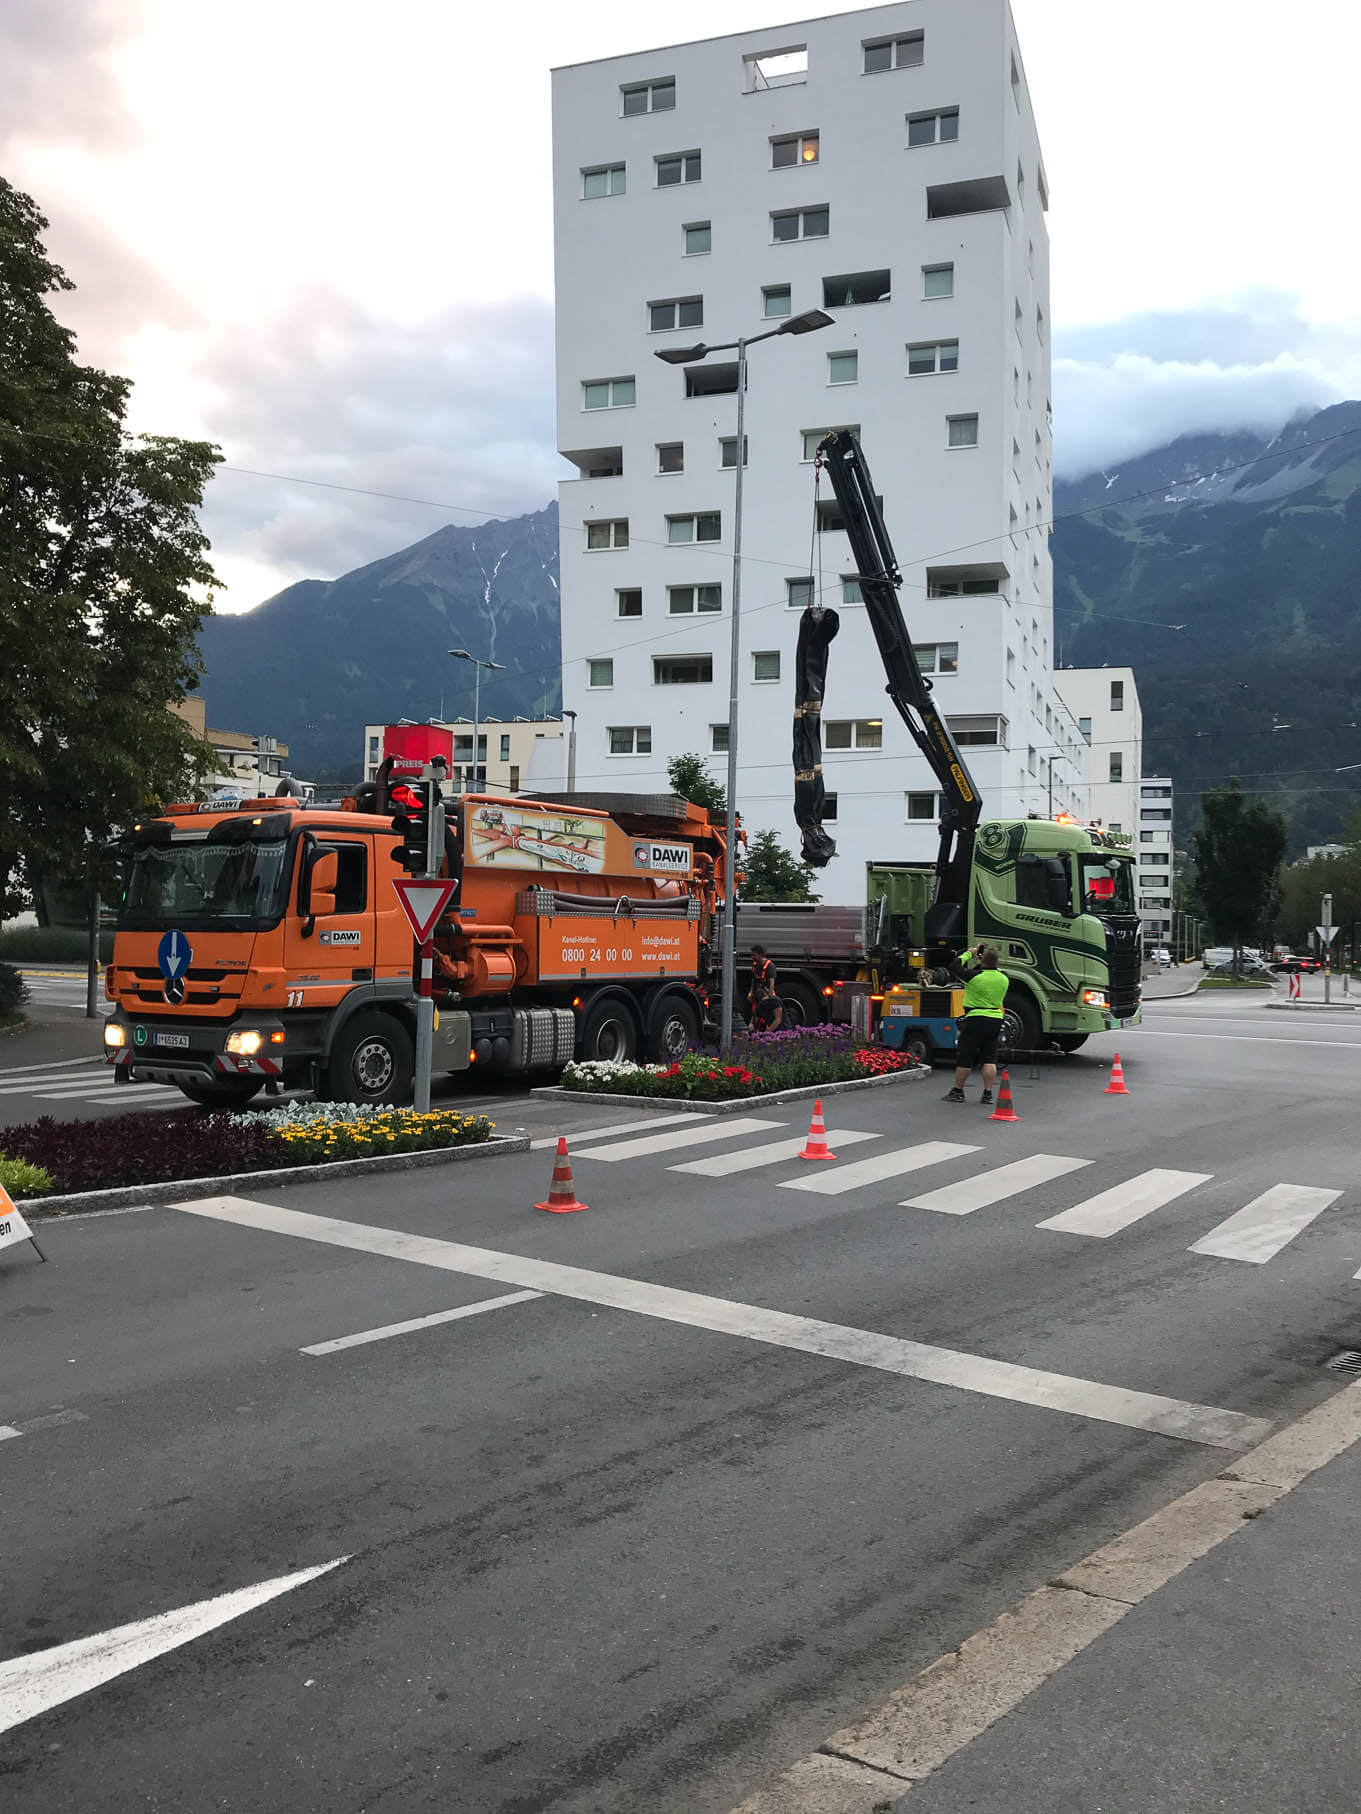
(135, 1196)
(739, 1105)
(1314, 1007)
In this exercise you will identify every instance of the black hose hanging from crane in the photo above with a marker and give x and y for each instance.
(816, 631)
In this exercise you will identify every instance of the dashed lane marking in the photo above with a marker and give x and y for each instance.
(421, 1322)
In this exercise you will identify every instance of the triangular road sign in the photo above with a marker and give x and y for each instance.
(13, 1227)
(1326, 933)
(423, 902)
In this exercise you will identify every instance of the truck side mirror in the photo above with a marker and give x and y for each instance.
(1058, 887)
(321, 884)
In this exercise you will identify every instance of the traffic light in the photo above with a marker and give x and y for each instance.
(419, 822)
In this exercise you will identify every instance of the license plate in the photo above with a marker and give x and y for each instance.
(179, 1040)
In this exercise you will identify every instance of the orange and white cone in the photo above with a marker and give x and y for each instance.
(815, 1147)
(1116, 1086)
(1004, 1110)
(562, 1196)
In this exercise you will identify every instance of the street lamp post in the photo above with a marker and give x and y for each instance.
(807, 323)
(478, 665)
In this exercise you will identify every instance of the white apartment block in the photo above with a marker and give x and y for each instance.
(509, 752)
(1155, 859)
(884, 166)
(1105, 702)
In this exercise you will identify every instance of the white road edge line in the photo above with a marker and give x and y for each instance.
(881, 1756)
(420, 1322)
(7, 1430)
(780, 1329)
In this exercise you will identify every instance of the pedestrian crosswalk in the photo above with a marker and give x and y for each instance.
(79, 1080)
(1254, 1233)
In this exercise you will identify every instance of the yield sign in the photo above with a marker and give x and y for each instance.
(1326, 933)
(423, 902)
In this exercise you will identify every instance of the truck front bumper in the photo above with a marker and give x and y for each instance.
(148, 1049)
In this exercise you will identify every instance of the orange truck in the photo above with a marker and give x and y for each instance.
(262, 946)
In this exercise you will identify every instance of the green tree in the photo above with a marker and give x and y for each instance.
(1240, 846)
(104, 580)
(774, 873)
(690, 778)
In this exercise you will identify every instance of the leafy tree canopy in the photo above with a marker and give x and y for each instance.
(1240, 846)
(104, 580)
(774, 873)
(690, 778)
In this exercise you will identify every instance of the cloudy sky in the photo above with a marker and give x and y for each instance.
(319, 232)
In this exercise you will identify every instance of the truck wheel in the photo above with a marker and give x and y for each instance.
(920, 1046)
(802, 1008)
(1020, 1024)
(372, 1061)
(229, 1093)
(608, 1030)
(672, 1027)
(1069, 1042)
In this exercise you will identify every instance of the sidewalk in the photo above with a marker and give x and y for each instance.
(1311, 994)
(1233, 1687)
(1181, 979)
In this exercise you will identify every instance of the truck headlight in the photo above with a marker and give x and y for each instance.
(245, 1045)
(115, 1036)
(1093, 998)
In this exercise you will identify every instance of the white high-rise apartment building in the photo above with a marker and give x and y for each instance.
(1105, 702)
(1155, 859)
(884, 166)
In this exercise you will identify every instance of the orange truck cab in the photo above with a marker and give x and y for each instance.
(263, 946)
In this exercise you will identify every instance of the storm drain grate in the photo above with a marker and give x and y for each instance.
(1346, 1360)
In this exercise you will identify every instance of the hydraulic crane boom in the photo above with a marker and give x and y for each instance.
(909, 689)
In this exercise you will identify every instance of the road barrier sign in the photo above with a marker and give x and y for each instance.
(13, 1227)
(423, 901)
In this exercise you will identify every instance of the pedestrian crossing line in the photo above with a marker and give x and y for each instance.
(30, 1085)
(93, 1088)
(677, 1138)
(719, 1165)
(55, 1064)
(1257, 1232)
(992, 1187)
(1123, 1204)
(620, 1127)
(883, 1165)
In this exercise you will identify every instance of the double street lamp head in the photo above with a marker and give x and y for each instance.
(807, 323)
(463, 655)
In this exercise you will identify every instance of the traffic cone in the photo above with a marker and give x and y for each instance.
(1004, 1110)
(1116, 1086)
(562, 1196)
(815, 1147)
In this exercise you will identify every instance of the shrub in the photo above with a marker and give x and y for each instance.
(346, 1131)
(788, 1063)
(139, 1149)
(13, 990)
(21, 1179)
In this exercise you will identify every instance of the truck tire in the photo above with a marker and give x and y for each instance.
(1020, 1024)
(921, 1046)
(609, 1029)
(372, 1060)
(1069, 1042)
(672, 1027)
(228, 1093)
(802, 1005)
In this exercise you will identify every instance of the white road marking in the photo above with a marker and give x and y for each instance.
(992, 1187)
(420, 1322)
(55, 1064)
(679, 1137)
(33, 1086)
(7, 1430)
(100, 1092)
(777, 1328)
(620, 1127)
(719, 1165)
(1257, 1039)
(882, 1165)
(1259, 1230)
(29, 1685)
(1125, 1203)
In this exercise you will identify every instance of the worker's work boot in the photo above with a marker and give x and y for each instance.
(953, 1096)
(986, 1096)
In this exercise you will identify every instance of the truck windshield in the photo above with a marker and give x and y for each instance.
(1107, 884)
(180, 884)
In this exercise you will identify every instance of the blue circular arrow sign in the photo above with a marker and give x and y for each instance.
(174, 956)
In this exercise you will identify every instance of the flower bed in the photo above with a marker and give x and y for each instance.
(762, 1064)
(145, 1149)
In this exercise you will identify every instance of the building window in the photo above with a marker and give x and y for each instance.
(671, 456)
(921, 806)
(600, 674)
(684, 601)
(962, 431)
(961, 582)
(599, 462)
(1117, 765)
(1084, 725)
(515, 777)
(373, 749)
(906, 52)
(682, 312)
(697, 237)
(716, 380)
(1146, 837)
(613, 534)
(1015, 82)
(1151, 815)
(630, 739)
(933, 128)
(814, 437)
(1011, 667)
(829, 804)
(765, 664)
(1117, 695)
(505, 743)
(1153, 856)
(649, 97)
(799, 593)
(856, 733)
(629, 601)
(775, 68)
(797, 148)
(705, 526)
(1155, 793)
(843, 368)
(604, 179)
(829, 517)
(718, 739)
(1039, 324)
(800, 223)
(608, 393)
(682, 670)
(937, 657)
(1031, 761)
(927, 356)
(857, 287)
(850, 590)
(986, 728)
(683, 167)
(776, 299)
(938, 281)
(727, 450)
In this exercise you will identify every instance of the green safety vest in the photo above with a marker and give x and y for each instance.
(984, 992)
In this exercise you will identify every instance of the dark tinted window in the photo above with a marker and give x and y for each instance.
(352, 876)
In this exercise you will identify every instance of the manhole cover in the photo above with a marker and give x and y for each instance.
(1347, 1360)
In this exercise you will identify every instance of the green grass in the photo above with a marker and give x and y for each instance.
(1235, 982)
(50, 945)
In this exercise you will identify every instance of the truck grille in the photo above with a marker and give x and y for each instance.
(1124, 963)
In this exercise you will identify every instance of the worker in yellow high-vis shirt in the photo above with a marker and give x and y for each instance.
(985, 990)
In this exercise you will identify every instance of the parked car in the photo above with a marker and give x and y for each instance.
(1217, 955)
(1162, 957)
(1249, 965)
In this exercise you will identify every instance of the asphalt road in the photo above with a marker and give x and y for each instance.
(633, 1542)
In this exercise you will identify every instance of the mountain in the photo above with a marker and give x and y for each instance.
(321, 659)
(1226, 570)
